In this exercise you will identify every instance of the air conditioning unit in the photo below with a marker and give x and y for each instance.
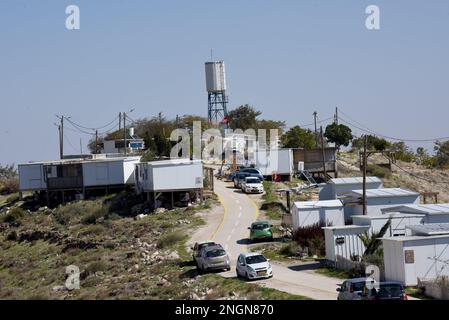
(300, 165)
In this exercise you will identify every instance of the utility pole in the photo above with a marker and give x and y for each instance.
(124, 129)
(81, 146)
(60, 143)
(336, 116)
(61, 136)
(119, 121)
(365, 146)
(324, 153)
(96, 141)
(316, 133)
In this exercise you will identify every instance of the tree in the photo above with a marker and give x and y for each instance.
(442, 154)
(374, 143)
(339, 134)
(372, 242)
(403, 152)
(297, 137)
(244, 117)
(271, 124)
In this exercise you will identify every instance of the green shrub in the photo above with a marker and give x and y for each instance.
(64, 214)
(91, 218)
(380, 172)
(169, 239)
(311, 237)
(14, 215)
(290, 249)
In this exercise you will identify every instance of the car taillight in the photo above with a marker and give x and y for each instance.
(404, 297)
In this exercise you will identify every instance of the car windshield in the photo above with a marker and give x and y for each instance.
(390, 290)
(252, 180)
(255, 259)
(260, 226)
(251, 170)
(215, 253)
(205, 245)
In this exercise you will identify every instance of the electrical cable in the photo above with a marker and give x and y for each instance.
(364, 128)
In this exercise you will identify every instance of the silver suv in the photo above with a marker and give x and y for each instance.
(352, 289)
(213, 258)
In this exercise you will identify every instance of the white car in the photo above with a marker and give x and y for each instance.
(252, 185)
(253, 265)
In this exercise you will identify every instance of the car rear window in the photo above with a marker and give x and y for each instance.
(260, 226)
(390, 290)
(358, 286)
(205, 245)
(215, 253)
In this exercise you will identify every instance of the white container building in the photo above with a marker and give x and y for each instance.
(399, 222)
(307, 213)
(377, 199)
(276, 161)
(339, 187)
(433, 213)
(344, 241)
(69, 174)
(169, 175)
(423, 255)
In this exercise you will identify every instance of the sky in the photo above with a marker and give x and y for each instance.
(286, 58)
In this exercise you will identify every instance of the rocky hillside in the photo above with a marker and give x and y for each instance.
(407, 175)
(120, 255)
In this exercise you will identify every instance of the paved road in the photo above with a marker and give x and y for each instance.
(232, 232)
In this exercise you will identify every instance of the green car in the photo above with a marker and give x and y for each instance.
(260, 230)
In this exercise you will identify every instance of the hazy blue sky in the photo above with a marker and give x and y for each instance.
(287, 58)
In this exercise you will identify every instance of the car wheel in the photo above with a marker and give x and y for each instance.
(246, 276)
(237, 273)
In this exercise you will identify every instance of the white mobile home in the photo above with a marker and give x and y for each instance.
(423, 255)
(169, 175)
(344, 242)
(77, 174)
(399, 222)
(277, 161)
(307, 213)
(339, 187)
(377, 199)
(433, 213)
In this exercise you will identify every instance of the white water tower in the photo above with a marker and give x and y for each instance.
(216, 91)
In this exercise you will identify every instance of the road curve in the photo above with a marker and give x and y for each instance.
(239, 211)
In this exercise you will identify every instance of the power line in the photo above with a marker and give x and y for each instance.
(364, 128)
(97, 128)
(70, 143)
(416, 176)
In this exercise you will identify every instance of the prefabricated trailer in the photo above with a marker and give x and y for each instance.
(308, 213)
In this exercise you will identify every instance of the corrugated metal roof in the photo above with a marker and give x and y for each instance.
(386, 192)
(428, 209)
(355, 180)
(318, 204)
(348, 227)
(431, 229)
(80, 160)
(388, 216)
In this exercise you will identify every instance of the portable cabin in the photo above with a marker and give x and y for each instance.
(399, 222)
(275, 161)
(344, 242)
(339, 187)
(169, 176)
(433, 213)
(77, 175)
(424, 254)
(377, 199)
(327, 212)
(312, 160)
